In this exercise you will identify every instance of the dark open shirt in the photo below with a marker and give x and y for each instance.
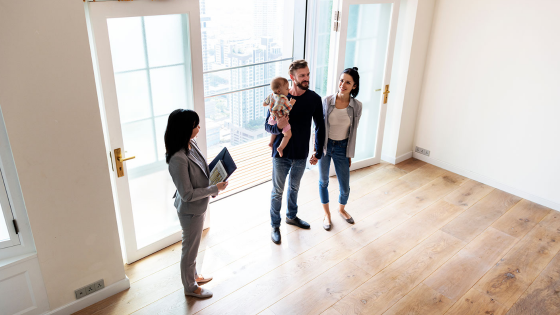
(308, 106)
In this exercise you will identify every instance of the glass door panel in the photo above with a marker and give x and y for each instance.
(366, 48)
(149, 87)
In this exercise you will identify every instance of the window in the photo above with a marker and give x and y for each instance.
(12, 206)
(319, 44)
(244, 44)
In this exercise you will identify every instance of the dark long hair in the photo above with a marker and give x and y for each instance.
(353, 72)
(180, 125)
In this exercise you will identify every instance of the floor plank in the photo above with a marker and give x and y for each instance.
(481, 215)
(380, 253)
(421, 300)
(474, 303)
(320, 293)
(424, 175)
(472, 192)
(474, 260)
(329, 311)
(366, 184)
(542, 296)
(226, 281)
(513, 274)
(266, 290)
(521, 218)
(410, 164)
(394, 282)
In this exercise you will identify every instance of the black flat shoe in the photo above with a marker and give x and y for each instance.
(351, 220)
(298, 222)
(275, 235)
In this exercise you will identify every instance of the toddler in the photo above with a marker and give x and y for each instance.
(279, 107)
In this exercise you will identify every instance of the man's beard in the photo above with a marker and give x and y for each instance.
(301, 84)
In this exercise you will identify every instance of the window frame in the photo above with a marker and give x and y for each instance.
(7, 215)
(25, 243)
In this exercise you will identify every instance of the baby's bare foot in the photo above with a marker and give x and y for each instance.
(271, 145)
(280, 151)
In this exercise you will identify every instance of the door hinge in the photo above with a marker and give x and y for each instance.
(16, 226)
(111, 156)
(336, 15)
(335, 26)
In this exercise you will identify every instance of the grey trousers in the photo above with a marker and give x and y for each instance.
(192, 233)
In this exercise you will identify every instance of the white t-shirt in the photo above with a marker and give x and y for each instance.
(339, 124)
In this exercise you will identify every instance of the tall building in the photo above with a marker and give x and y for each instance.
(247, 114)
(204, 24)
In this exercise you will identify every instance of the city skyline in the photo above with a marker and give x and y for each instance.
(236, 118)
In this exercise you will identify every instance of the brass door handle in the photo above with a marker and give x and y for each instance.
(119, 162)
(129, 158)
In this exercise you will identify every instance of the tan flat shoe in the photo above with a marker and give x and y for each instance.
(203, 279)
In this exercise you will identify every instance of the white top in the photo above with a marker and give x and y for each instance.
(339, 123)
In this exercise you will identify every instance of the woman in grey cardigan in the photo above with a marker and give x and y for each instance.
(189, 172)
(342, 114)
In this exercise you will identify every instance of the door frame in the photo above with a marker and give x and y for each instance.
(97, 15)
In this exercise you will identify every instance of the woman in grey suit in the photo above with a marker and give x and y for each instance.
(189, 172)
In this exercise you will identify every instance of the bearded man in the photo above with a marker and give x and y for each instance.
(307, 107)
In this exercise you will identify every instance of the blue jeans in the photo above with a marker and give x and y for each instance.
(280, 169)
(336, 150)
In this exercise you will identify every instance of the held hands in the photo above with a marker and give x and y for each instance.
(222, 185)
(313, 160)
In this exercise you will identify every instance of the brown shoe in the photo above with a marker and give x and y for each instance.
(203, 279)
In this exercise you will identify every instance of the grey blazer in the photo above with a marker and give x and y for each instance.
(190, 176)
(354, 111)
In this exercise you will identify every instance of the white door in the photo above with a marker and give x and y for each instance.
(147, 54)
(365, 38)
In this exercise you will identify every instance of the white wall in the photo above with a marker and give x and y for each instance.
(490, 103)
(415, 20)
(49, 102)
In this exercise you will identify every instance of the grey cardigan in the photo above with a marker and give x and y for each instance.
(354, 111)
(190, 176)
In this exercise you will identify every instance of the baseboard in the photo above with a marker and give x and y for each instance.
(398, 159)
(92, 298)
(488, 181)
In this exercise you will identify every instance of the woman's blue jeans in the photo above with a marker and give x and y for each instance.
(336, 151)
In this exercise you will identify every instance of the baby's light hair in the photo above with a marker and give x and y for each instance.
(277, 83)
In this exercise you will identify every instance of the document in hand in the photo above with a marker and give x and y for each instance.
(221, 167)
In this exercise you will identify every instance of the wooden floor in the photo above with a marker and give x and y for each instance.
(426, 241)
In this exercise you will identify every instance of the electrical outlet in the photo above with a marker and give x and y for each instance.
(80, 293)
(90, 288)
(422, 151)
(100, 284)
